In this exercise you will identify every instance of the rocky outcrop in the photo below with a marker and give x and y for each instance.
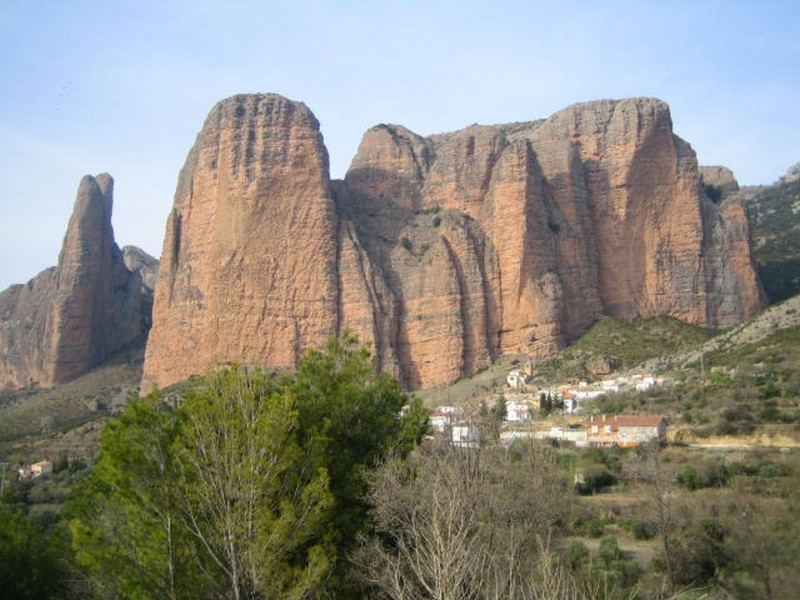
(441, 252)
(248, 268)
(139, 261)
(72, 317)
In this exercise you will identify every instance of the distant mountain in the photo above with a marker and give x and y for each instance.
(775, 217)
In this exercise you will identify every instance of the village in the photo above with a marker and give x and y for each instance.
(525, 405)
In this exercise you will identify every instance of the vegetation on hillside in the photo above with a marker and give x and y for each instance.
(775, 218)
(248, 484)
(611, 345)
(34, 414)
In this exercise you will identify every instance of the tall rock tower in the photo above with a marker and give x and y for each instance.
(248, 269)
(72, 317)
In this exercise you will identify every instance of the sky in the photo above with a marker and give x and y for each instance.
(123, 87)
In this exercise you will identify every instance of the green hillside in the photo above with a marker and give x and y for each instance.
(31, 416)
(613, 345)
(775, 218)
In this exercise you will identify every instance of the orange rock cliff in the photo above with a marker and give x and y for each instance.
(442, 252)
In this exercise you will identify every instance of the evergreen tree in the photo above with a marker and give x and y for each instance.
(254, 487)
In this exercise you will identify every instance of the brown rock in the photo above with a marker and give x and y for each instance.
(139, 261)
(597, 210)
(249, 260)
(440, 252)
(71, 318)
(719, 182)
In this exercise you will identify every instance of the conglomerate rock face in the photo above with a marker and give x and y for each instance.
(249, 265)
(72, 317)
(440, 252)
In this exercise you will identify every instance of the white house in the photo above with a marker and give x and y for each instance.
(645, 382)
(44, 467)
(587, 394)
(518, 411)
(625, 430)
(516, 378)
(610, 385)
(465, 434)
(445, 416)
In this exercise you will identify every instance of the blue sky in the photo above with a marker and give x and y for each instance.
(123, 87)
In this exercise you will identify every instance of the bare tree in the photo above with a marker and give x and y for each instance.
(646, 466)
(457, 523)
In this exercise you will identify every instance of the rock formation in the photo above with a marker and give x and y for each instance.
(249, 264)
(72, 317)
(441, 252)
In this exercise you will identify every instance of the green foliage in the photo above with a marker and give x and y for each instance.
(593, 527)
(777, 251)
(606, 569)
(349, 417)
(703, 474)
(252, 488)
(699, 553)
(31, 564)
(595, 479)
(253, 495)
(125, 514)
(643, 529)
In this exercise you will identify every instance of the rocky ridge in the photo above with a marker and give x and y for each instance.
(777, 317)
(72, 317)
(442, 252)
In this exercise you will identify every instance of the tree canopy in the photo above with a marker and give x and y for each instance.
(252, 487)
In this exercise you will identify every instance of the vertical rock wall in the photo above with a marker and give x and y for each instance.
(442, 252)
(248, 269)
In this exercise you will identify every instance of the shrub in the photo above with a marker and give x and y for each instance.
(644, 530)
(595, 479)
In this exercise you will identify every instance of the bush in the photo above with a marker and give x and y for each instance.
(706, 474)
(595, 479)
(593, 528)
(644, 530)
(689, 478)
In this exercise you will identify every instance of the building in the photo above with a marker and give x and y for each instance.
(465, 435)
(622, 430)
(445, 417)
(516, 379)
(518, 411)
(44, 467)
